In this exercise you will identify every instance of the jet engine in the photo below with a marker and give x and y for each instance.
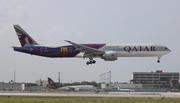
(110, 56)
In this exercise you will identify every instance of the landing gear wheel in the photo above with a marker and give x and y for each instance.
(90, 62)
(158, 61)
(93, 61)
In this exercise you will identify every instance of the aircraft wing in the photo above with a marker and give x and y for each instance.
(85, 49)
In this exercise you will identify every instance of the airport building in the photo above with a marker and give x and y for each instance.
(12, 86)
(121, 86)
(156, 79)
(42, 83)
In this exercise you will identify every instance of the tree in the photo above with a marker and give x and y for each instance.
(76, 83)
(30, 84)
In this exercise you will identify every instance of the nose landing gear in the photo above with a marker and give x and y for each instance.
(158, 61)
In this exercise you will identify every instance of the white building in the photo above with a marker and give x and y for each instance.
(120, 86)
(156, 79)
(42, 83)
(12, 86)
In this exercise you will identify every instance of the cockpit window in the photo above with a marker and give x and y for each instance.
(166, 48)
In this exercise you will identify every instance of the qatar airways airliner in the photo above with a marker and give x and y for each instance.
(104, 51)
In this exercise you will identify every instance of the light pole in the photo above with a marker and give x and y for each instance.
(59, 77)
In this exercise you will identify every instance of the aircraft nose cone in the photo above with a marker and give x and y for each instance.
(169, 50)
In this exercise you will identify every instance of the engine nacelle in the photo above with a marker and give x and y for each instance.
(110, 55)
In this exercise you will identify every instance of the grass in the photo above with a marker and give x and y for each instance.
(10, 99)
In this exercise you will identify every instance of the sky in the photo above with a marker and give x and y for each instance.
(87, 21)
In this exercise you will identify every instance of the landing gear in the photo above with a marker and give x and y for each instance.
(90, 62)
(158, 61)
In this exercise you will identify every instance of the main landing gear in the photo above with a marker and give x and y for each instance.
(90, 62)
(158, 61)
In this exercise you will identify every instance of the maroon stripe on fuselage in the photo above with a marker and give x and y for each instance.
(96, 46)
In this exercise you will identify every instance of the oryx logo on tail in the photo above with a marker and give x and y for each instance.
(24, 38)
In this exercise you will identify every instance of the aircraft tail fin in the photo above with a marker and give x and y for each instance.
(23, 37)
(52, 83)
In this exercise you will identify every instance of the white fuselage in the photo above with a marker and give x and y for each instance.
(135, 50)
(78, 87)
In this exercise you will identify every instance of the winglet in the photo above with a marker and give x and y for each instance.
(67, 41)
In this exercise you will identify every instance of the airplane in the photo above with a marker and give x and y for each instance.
(104, 51)
(53, 85)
